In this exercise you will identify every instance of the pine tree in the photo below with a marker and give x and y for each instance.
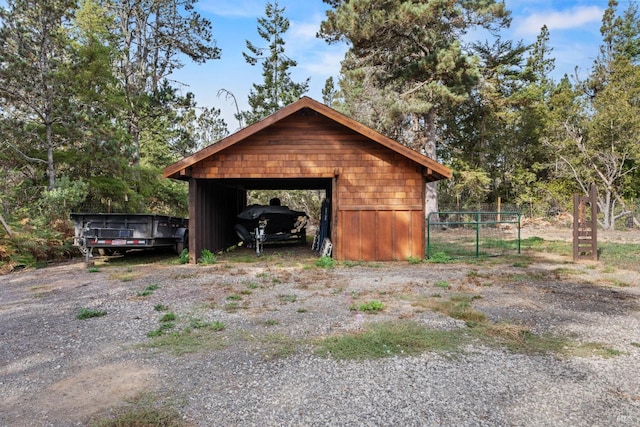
(34, 58)
(595, 134)
(406, 64)
(277, 89)
(152, 38)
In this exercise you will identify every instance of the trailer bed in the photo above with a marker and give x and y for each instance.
(116, 231)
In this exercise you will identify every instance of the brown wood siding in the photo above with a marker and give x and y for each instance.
(213, 217)
(315, 147)
(378, 194)
(372, 235)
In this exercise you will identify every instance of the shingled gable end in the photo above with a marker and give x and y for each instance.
(376, 186)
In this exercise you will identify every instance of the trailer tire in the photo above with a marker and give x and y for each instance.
(183, 244)
(243, 233)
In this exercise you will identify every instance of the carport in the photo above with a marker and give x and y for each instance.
(375, 185)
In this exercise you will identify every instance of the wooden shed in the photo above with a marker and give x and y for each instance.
(376, 186)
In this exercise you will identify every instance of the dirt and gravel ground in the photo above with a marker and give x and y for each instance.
(56, 370)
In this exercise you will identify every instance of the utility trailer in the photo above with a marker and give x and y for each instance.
(118, 232)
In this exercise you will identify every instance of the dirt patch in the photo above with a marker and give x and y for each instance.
(88, 390)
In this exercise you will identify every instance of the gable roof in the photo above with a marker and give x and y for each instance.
(435, 170)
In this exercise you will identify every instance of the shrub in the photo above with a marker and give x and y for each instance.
(184, 257)
(439, 258)
(325, 262)
(372, 306)
(207, 257)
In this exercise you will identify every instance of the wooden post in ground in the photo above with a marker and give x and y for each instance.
(585, 225)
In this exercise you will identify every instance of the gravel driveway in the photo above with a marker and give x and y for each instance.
(261, 369)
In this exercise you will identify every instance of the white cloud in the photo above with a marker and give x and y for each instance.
(304, 30)
(233, 8)
(326, 63)
(558, 20)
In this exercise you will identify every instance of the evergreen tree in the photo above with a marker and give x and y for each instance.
(329, 92)
(277, 89)
(406, 64)
(595, 133)
(152, 38)
(34, 58)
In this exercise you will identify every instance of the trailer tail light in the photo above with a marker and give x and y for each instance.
(117, 242)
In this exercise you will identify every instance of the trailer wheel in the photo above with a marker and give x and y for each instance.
(183, 244)
(243, 233)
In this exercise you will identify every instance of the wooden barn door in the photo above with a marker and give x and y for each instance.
(368, 234)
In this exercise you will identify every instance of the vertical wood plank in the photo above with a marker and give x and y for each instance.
(417, 234)
(350, 232)
(384, 235)
(402, 247)
(368, 230)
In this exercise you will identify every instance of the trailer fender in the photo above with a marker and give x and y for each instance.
(182, 240)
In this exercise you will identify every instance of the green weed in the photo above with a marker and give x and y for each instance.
(325, 262)
(183, 258)
(372, 306)
(187, 341)
(148, 290)
(287, 298)
(520, 264)
(441, 284)
(386, 339)
(439, 258)
(231, 306)
(207, 257)
(145, 411)
(88, 313)
(168, 317)
(214, 326)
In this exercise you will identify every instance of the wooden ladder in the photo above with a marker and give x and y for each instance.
(585, 233)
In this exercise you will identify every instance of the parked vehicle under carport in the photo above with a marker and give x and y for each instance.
(260, 224)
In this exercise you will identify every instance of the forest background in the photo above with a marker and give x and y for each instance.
(89, 114)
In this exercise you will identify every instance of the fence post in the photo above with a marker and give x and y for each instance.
(428, 235)
(519, 215)
(477, 234)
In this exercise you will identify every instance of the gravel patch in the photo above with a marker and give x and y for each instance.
(56, 370)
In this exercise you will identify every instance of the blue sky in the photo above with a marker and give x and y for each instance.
(574, 27)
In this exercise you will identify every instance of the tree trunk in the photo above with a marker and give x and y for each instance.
(50, 166)
(429, 150)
